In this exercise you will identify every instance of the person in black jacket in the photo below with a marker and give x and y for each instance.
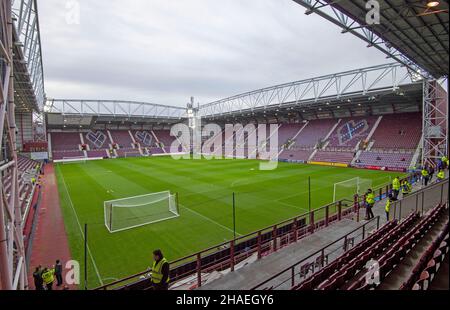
(58, 273)
(37, 276)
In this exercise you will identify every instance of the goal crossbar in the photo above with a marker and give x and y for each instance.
(350, 187)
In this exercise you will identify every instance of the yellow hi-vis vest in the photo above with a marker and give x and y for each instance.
(388, 206)
(370, 198)
(441, 175)
(425, 172)
(406, 188)
(48, 276)
(396, 184)
(157, 271)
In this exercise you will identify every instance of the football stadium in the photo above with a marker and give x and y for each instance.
(336, 181)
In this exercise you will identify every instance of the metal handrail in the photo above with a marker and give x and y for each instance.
(383, 189)
(320, 251)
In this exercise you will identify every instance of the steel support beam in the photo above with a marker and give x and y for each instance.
(113, 108)
(343, 85)
(435, 122)
(325, 9)
(28, 54)
(12, 253)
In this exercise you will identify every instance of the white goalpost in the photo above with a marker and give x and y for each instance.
(348, 188)
(132, 154)
(73, 160)
(132, 212)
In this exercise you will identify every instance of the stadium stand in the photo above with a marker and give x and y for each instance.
(288, 131)
(325, 140)
(98, 142)
(314, 132)
(125, 143)
(388, 141)
(296, 155)
(429, 263)
(122, 138)
(394, 142)
(334, 156)
(350, 132)
(398, 132)
(27, 169)
(65, 144)
(163, 137)
(389, 247)
(395, 256)
(299, 141)
(378, 159)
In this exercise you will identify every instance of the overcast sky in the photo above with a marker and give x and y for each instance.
(164, 51)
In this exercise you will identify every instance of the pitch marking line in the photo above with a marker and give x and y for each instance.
(292, 206)
(79, 226)
(298, 194)
(210, 220)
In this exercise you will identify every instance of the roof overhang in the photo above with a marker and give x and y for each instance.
(28, 66)
(408, 31)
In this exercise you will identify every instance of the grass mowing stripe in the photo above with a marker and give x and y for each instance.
(208, 219)
(292, 206)
(79, 226)
(205, 192)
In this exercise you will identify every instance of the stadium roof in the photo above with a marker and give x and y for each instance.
(408, 32)
(113, 108)
(28, 67)
(411, 34)
(329, 89)
(407, 98)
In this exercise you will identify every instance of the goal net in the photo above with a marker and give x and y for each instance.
(128, 213)
(73, 160)
(132, 154)
(348, 188)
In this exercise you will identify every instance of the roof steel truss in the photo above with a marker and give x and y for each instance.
(113, 108)
(325, 9)
(309, 91)
(30, 73)
(12, 253)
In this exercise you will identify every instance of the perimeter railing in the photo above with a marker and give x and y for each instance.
(306, 267)
(193, 270)
(420, 201)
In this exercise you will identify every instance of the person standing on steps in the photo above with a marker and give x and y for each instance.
(160, 272)
(370, 201)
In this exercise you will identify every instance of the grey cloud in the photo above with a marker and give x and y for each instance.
(165, 51)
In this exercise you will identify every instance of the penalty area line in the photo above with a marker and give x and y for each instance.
(79, 226)
(289, 205)
(210, 220)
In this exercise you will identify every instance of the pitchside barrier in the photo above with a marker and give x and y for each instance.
(325, 163)
(194, 270)
(75, 160)
(305, 268)
(421, 201)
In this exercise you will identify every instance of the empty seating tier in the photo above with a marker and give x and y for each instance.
(351, 131)
(389, 160)
(398, 132)
(334, 156)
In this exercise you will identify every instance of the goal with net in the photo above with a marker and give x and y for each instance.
(73, 160)
(348, 188)
(135, 153)
(132, 212)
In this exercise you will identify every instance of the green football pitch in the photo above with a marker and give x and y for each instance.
(204, 188)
